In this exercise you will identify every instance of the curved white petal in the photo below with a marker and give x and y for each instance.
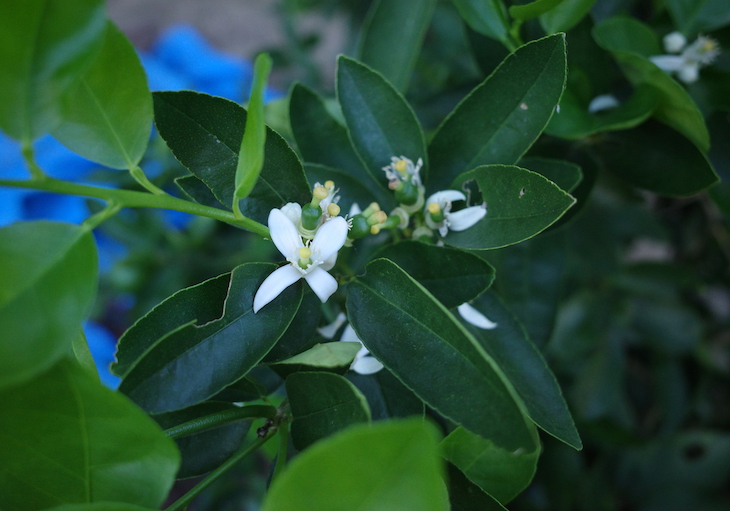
(322, 283)
(330, 238)
(476, 318)
(284, 234)
(366, 365)
(689, 73)
(329, 331)
(465, 218)
(274, 284)
(329, 263)
(668, 62)
(354, 210)
(293, 212)
(349, 335)
(445, 195)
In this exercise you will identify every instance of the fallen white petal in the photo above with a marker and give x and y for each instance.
(284, 234)
(329, 331)
(322, 283)
(465, 218)
(476, 318)
(274, 284)
(366, 365)
(330, 238)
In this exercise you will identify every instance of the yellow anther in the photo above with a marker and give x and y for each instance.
(329, 185)
(434, 208)
(333, 209)
(374, 229)
(401, 166)
(305, 253)
(320, 193)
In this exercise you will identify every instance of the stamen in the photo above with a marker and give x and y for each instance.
(320, 193)
(333, 209)
(401, 166)
(434, 208)
(329, 185)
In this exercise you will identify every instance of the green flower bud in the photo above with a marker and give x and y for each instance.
(310, 216)
(407, 194)
(360, 227)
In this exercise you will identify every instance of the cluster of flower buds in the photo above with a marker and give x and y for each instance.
(371, 221)
(321, 208)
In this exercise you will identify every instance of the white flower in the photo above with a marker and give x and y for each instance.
(364, 362)
(603, 102)
(687, 65)
(476, 318)
(457, 221)
(403, 169)
(309, 262)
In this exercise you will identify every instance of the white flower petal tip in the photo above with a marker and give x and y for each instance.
(476, 318)
(329, 331)
(322, 283)
(274, 284)
(366, 365)
(603, 102)
(467, 217)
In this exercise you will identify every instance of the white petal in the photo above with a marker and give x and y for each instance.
(603, 102)
(445, 195)
(330, 238)
(366, 365)
(329, 263)
(349, 335)
(466, 217)
(668, 62)
(689, 73)
(329, 331)
(476, 318)
(674, 42)
(354, 210)
(284, 234)
(322, 283)
(293, 212)
(274, 284)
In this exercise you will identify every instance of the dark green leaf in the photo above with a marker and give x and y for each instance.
(100, 506)
(563, 173)
(499, 472)
(417, 339)
(466, 496)
(330, 356)
(196, 190)
(533, 9)
(452, 276)
(301, 332)
(392, 37)
(520, 204)
(48, 276)
(194, 362)
(206, 450)
(67, 439)
(501, 118)
(322, 404)
(81, 351)
(525, 368)
(566, 15)
(488, 17)
(380, 122)
(692, 16)
(391, 465)
(107, 116)
(624, 33)
(47, 45)
(656, 158)
(386, 395)
(205, 132)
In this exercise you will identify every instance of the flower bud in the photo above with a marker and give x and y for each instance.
(407, 194)
(360, 227)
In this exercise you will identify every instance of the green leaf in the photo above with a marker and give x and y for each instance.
(205, 132)
(387, 396)
(466, 496)
(520, 204)
(500, 119)
(100, 506)
(656, 158)
(107, 116)
(692, 16)
(251, 153)
(300, 335)
(206, 450)
(333, 356)
(322, 404)
(499, 472)
(196, 361)
(451, 275)
(380, 122)
(392, 37)
(390, 465)
(81, 351)
(676, 107)
(574, 121)
(563, 173)
(488, 17)
(623, 33)
(48, 278)
(525, 368)
(417, 339)
(68, 439)
(566, 15)
(196, 190)
(533, 9)
(47, 46)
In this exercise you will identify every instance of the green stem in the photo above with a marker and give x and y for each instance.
(35, 171)
(102, 216)
(183, 501)
(219, 418)
(283, 430)
(132, 199)
(139, 176)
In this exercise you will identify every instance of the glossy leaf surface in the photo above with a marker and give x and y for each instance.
(520, 204)
(322, 404)
(329, 356)
(107, 116)
(565, 174)
(98, 446)
(566, 15)
(42, 265)
(390, 465)
(533, 9)
(196, 361)
(417, 339)
(501, 118)
(466, 496)
(488, 17)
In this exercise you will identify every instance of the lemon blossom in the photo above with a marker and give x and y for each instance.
(687, 64)
(439, 216)
(310, 261)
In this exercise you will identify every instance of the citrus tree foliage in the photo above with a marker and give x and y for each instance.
(467, 226)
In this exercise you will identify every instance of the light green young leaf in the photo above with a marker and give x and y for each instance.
(565, 16)
(47, 45)
(251, 153)
(67, 439)
(107, 116)
(42, 265)
(390, 465)
(533, 9)
(328, 355)
(392, 37)
(488, 17)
